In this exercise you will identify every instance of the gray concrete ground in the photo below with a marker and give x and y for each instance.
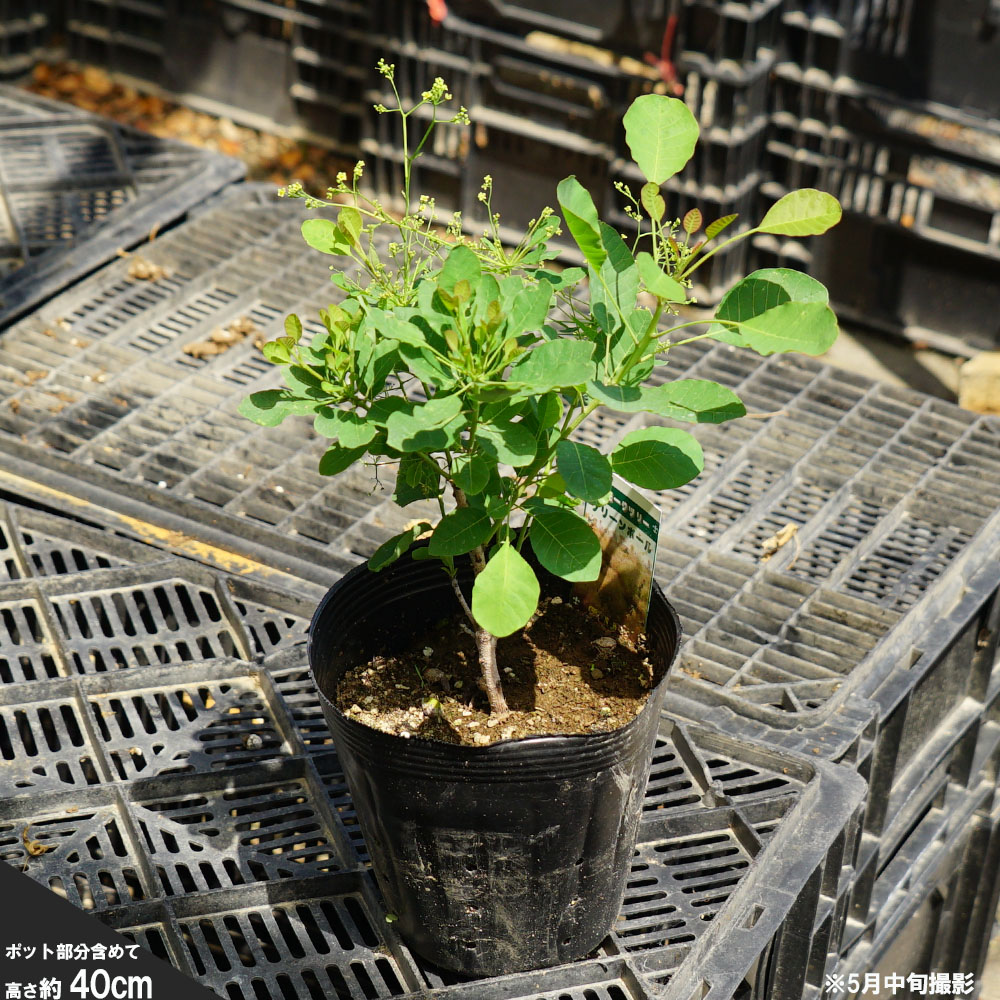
(877, 357)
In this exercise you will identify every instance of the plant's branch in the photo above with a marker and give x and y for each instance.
(487, 645)
(462, 600)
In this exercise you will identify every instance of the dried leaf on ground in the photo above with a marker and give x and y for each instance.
(145, 270)
(778, 540)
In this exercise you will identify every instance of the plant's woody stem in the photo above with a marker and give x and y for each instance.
(486, 643)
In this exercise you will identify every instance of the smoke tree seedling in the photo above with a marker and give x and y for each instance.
(470, 364)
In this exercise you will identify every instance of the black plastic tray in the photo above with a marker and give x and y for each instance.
(78, 188)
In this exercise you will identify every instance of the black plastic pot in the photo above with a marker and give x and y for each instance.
(494, 859)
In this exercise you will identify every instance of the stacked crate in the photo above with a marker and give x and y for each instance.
(891, 107)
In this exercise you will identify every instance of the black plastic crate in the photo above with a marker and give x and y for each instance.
(79, 188)
(26, 35)
(298, 69)
(572, 96)
(722, 31)
(939, 51)
(944, 919)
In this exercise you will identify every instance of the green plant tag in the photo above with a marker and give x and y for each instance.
(627, 527)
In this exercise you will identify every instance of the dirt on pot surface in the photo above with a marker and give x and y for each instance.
(566, 672)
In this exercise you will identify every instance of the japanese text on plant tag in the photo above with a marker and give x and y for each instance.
(628, 527)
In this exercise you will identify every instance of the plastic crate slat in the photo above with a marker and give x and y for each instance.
(74, 182)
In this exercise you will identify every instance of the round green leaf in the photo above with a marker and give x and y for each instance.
(758, 292)
(460, 532)
(696, 400)
(414, 430)
(565, 544)
(510, 443)
(806, 212)
(658, 458)
(269, 407)
(808, 327)
(555, 364)
(505, 594)
(585, 470)
(336, 459)
(471, 473)
(323, 235)
(348, 428)
(661, 132)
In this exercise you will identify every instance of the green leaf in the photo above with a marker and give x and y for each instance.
(350, 222)
(555, 364)
(323, 235)
(471, 473)
(621, 265)
(806, 212)
(658, 281)
(351, 430)
(759, 291)
(626, 399)
(278, 352)
(413, 431)
(388, 552)
(425, 367)
(581, 219)
(585, 470)
(377, 366)
(714, 228)
(661, 133)
(552, 487)
(548, 409)
(336, 458)
(416, 480)
(695, 400)
(565, 543)
(382, 409)
(808, 327)
(270, 406)
(505, 594)
(293, 327)
(460, 532)
(652, 201)
(393, 328)
(509, 443)
(529, 309)
(460, 265)
(658, 458)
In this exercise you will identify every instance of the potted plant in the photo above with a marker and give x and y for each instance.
(500, 831)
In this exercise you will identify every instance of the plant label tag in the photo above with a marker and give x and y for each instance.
(628, 527)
